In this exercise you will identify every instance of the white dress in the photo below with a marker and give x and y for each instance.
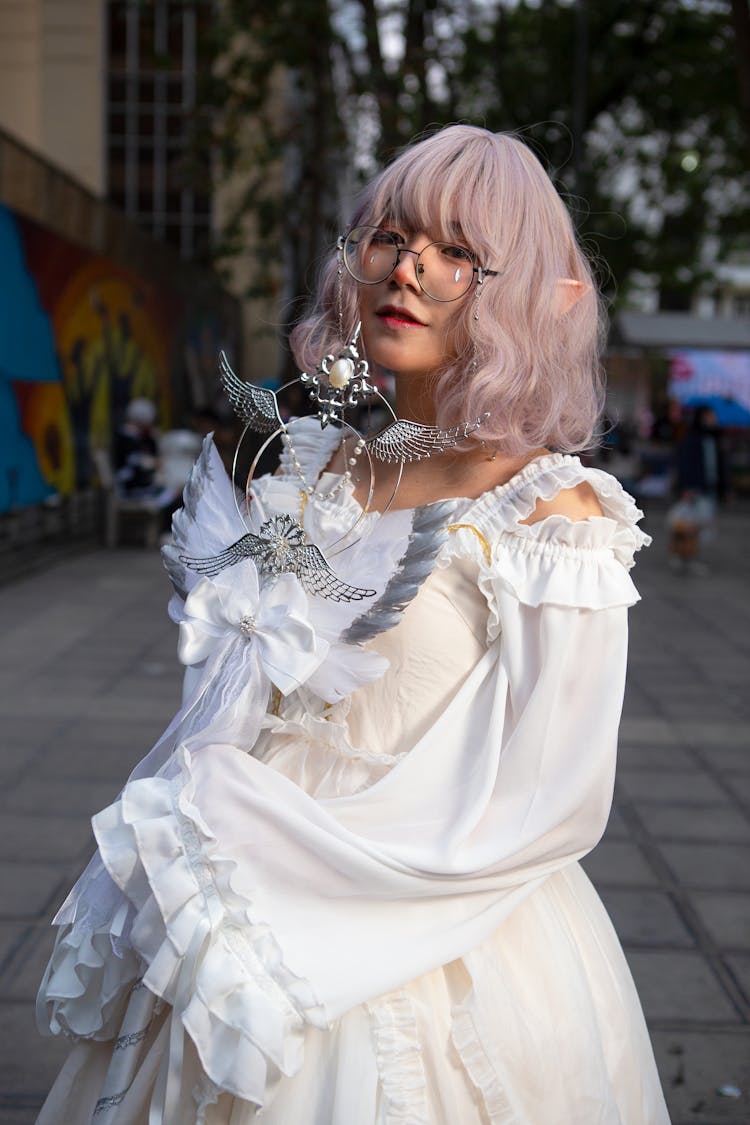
(374, 914)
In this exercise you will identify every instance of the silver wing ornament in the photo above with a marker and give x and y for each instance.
(256, 406)
(281, 548)
(411, 441)
(248, 547)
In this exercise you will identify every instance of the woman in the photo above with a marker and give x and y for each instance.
(344, 885)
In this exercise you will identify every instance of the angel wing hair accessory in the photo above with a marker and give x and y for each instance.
(282, 548)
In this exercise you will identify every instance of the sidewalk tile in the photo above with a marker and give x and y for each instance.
(618, 862)
(708, 866)
(651, 785)
(651, 731)
(693, 1066)
(726, 917)
(93, 731)
(68, 797)
(645, 917)
(14, 759)
(10, 935)
(616, 828)
(739, 963)
(740, 784)
(679, 986)
(27, 730)
(92, 763)
(643, 756)
(717, 735)
(56, 838)
(19, 1044)
(29, 890)
(731, 760)
(20, 980)
(708, 822)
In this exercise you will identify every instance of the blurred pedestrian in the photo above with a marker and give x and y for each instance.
(136, 449)
(150, 466)
(701, 485)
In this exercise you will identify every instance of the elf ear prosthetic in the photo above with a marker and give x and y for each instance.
(567, 293)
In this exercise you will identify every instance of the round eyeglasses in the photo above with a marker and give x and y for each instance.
(444, 271)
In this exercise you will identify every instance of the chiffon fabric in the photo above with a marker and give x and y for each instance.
(373, 914)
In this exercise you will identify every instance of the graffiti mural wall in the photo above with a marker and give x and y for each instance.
(79, 337)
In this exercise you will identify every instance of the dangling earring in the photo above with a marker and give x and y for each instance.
(475, 318)
(340, 293)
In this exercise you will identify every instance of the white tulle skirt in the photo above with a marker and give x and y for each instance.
(540, 1025)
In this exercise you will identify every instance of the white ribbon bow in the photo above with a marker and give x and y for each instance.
(273, 620)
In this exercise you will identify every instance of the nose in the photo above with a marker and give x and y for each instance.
(405, 270)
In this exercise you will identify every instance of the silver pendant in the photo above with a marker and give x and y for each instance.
(339, 382)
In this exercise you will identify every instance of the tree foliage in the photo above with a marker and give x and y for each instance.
(639, 110)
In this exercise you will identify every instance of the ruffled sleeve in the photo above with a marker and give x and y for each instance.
(581, 564)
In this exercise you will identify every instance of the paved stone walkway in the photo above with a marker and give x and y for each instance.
(88, 679)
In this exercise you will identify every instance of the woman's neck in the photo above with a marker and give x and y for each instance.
(456, 473)
(415, 399)
(468, 472)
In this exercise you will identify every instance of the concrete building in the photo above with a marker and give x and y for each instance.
(52, 67)
(99, 306)
(106, 91)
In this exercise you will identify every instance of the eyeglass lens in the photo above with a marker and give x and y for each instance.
(444, 271)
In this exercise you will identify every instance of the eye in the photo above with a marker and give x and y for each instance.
(379, 239)
(391, 235)
(457, 253)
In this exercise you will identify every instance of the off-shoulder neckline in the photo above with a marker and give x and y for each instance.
(533, 468)
(484, 508)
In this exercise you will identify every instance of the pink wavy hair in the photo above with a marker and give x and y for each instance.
(538, 369)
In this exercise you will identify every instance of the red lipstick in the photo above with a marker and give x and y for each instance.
(395, 316)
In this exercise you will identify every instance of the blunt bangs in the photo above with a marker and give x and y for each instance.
(435, 191)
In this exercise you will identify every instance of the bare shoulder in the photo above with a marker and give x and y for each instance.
(578, 503)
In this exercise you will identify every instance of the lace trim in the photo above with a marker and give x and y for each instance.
(467, 1040)
(398, 1056)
